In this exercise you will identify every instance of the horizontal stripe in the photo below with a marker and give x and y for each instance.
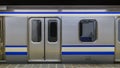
(59, 12)
(84, 49)
(16, 53)
(88, 46)
(21, 49)
(87, 53)
(16, 46)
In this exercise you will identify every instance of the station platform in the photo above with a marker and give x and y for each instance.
(60, 65)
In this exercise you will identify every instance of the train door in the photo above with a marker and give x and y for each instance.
(44, 39)
(117, 40)
(1, 40)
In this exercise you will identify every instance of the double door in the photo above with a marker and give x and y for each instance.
(44, 39)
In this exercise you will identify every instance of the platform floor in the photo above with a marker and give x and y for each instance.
(59, 65)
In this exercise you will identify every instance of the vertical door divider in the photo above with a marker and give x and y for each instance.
(44, 40)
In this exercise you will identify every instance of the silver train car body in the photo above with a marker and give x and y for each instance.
(59, 37)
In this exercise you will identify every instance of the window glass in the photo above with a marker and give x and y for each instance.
(36, 30)
(88, 30)
(52, 30)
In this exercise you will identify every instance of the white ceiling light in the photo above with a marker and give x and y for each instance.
(63, 10)
(34, 10)
(84, 10)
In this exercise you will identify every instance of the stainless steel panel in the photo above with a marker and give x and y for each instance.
(36, 49)
(16, 35)
(105, 36)
(16, 58)
(117, 42)
(16, 30)
(88, 59)
(105, 30)
(52, 49)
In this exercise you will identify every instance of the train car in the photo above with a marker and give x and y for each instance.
(59, 34)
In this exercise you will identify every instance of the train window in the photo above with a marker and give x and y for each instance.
(88, 30)
(119, 30)
(52, 30)
(36, 30)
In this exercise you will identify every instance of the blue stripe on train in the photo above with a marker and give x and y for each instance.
(59, 12)
(68, 46)
(16, 53)
(67, 53)
(16, 46)
(87, 53)
(88, 46)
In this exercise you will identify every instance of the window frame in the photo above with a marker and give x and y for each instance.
(96, 29)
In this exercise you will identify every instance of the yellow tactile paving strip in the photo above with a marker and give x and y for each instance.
(59, 65)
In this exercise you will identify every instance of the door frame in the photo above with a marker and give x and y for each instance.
(117, 42)
(28, 42)
(2, 41)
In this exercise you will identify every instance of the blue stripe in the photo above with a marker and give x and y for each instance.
(16, 53)
(59, 12)
(87, 53)
(67, 46)
(16, 46)
(88, 46)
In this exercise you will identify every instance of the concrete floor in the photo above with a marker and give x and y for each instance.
(59, 65)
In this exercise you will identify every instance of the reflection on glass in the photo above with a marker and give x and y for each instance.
(52, 30)
(88, 30)
(36, 30)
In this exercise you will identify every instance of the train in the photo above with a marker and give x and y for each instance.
(59, 36)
